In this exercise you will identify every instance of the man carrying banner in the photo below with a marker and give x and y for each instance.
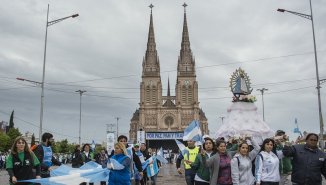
(45, 155)
(188, 157)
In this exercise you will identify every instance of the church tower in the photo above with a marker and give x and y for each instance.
(150, 87)
(186, 85)
(164, 118)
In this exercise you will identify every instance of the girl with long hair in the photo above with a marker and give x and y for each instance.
(267, 165)
(202, 172)
(21, 162)
(241, 164)
(220, 165)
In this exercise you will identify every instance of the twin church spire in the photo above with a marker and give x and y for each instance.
(186, 63)
(151, 65)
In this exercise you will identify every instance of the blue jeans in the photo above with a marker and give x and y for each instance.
(190, 179)
(153, 179)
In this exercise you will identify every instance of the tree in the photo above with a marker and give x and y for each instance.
(4, 142)
(63, 146)
(13, 133)
(11, 121)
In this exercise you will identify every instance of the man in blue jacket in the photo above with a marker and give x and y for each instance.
(308, 162)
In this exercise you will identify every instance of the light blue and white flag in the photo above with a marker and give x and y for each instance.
(63, 175)
(115, 165)
(181, 147)
(297, 130)
(152, 169)
(160, 156)
(193, 132)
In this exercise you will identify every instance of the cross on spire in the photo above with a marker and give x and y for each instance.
(151, 7)
(185, 5)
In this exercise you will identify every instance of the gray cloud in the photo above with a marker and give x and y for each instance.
(101, 51)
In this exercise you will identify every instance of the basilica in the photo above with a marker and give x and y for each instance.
(162, 119)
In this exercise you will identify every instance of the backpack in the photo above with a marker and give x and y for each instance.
(33, 148)
(253, 168)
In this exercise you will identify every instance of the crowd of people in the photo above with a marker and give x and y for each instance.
(275, 162)
(219, 162)
(23, 162)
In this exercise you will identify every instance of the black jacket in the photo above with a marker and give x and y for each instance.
(307, 164)
(77, 160)
(23, 170)
(40, 155)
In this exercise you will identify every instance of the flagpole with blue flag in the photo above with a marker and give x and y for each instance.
(297, 130)
(193, 132)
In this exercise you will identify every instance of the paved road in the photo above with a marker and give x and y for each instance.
(167, 176)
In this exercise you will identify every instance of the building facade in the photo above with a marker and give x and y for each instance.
(163, 117)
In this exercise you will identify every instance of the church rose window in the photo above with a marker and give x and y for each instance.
(168, 121)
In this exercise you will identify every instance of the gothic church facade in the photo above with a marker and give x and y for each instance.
(167, 114)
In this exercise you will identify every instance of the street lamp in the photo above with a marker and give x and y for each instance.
(310, 17)
(80, 108)
(117, 126)
(48, 23)
(262, 97)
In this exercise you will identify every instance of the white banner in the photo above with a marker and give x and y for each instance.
(140, 136)
(110, 141)
(164, 135)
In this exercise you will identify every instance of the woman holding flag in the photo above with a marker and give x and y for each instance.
(21, 162)
(120, 176)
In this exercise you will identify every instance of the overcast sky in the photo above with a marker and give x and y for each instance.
(101, 51)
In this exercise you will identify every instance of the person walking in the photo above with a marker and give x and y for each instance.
(241, 164)
(144, 151)
(267, 165)
(121, 176)
(220, 165)
(132, 155)
(44, 154)
(87, 156)
(188, 157)
(77, 160)
(281, 139)
(308, 162)
(202, 176)
(21, 162)
(138, 178)
(102, 159)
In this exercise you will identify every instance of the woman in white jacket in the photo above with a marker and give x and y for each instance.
(267, 165)
(241, 164)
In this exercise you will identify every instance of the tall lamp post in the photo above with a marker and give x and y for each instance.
(310, 17)
(117, 126)
(80, 109)
(262, 98)
(48, 23)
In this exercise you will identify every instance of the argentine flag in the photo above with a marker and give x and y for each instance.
(89, 172)
(193, 132)
(63, 175)
(181, 147)
(160, 156)
(152, 169)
